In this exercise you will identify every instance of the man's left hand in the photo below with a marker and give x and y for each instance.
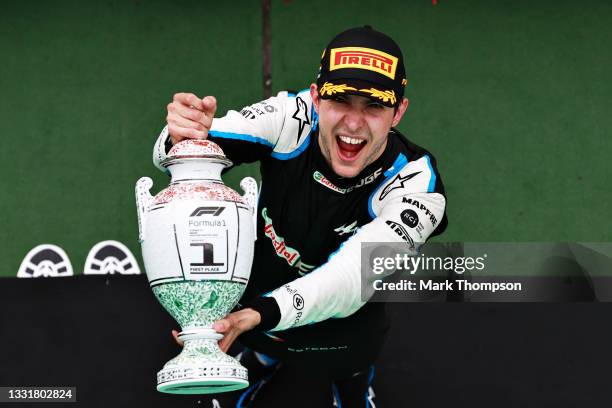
(234, 324)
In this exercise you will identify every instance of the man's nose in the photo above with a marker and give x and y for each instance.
(353, 119)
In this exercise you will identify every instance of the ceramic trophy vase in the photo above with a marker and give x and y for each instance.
(197, 238)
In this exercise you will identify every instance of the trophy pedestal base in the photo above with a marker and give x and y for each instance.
(201, 380)
(202, 385)
(201, 368)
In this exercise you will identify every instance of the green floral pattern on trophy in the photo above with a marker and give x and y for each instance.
(198, 303)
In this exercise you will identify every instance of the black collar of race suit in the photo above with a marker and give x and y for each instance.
(377, 168)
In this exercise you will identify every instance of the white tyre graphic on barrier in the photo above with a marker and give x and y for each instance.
(45, 261)
(110, 258)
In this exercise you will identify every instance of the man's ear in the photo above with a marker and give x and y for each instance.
(314, 94)
(401, 109)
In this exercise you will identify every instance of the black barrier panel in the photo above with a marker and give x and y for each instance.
(108, 337)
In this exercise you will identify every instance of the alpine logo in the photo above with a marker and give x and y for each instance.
(420, 206)
(397, 182)
(291, 255)
(346, 229)
(214, 211)
(301, 115)
(401, 231)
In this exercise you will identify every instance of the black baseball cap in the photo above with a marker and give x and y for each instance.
(363, 61)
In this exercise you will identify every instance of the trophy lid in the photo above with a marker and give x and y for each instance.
(196, 149)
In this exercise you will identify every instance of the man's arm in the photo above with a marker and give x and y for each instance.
(334, 289)
(245, 136)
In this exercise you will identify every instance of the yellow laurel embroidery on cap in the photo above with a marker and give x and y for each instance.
(330, 89)
(385, 96)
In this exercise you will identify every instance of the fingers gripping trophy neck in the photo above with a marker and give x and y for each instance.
(203, 333)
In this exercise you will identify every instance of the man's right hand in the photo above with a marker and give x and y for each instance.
(175, 334)
(190, 117)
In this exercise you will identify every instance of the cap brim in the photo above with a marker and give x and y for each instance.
(386, 97)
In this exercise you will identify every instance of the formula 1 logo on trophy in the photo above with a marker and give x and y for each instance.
(197, 239)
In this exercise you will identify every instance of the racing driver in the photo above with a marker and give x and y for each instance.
(335, 173)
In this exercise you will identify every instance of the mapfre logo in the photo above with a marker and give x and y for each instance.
(364, 58)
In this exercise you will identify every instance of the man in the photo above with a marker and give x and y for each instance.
(334, 174)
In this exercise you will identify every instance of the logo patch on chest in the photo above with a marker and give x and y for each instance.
(346, 229)
(291, 255)
(321, 179)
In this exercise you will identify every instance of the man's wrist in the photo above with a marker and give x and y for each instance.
(269, 312)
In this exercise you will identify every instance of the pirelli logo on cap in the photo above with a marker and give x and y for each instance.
(364, 58)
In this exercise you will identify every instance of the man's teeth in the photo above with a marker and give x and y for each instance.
(350, 140)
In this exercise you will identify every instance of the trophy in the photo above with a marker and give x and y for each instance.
(197, 238)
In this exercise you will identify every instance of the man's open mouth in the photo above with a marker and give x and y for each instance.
(349, 147)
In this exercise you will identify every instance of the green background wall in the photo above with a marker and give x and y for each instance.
(512, 97)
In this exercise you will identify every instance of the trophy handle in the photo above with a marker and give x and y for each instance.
(249, 186)
(143, 200)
